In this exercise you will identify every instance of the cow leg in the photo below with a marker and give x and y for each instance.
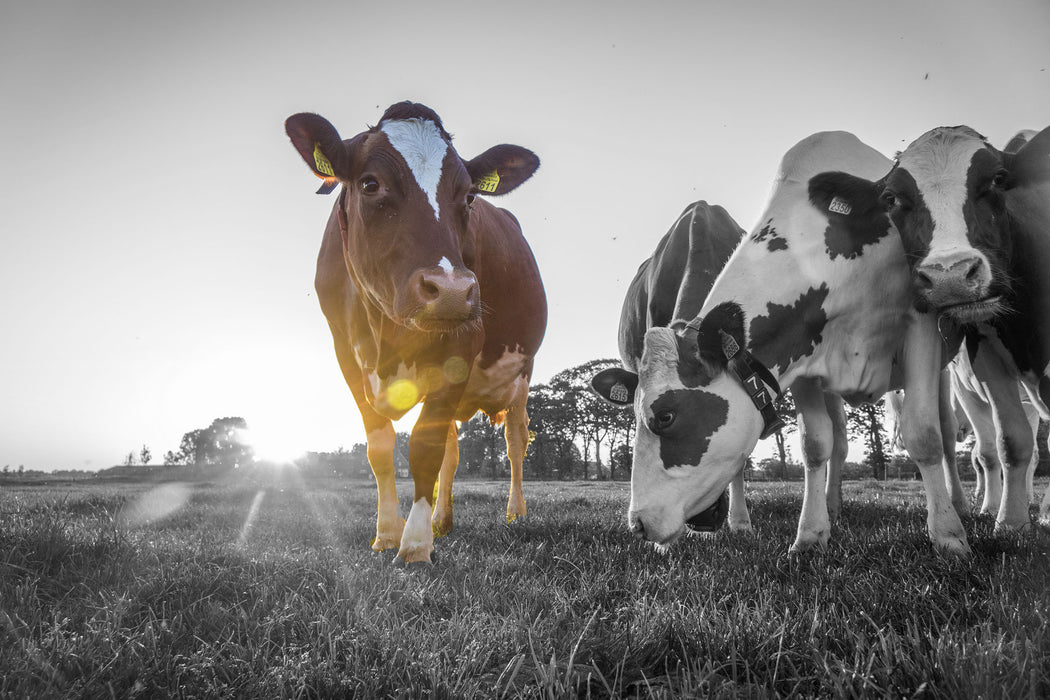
(839, 450)
(815, 430)
(1044, 508)
(978, 470)
(985, 456)
(1033, 424)
(949, 427)
(426, 452)
(441, 521)
(516, 433)
(920, 430)
(1014, 445)
(380, 439)
(739, 518)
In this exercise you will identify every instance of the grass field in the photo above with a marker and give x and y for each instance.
(269, 589)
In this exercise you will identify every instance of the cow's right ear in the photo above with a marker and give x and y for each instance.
(1031, 164)
(319, 145)
(616, 385)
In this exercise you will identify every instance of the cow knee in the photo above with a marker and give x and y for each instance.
(923, 443)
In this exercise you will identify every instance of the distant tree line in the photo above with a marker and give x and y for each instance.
(573, 435)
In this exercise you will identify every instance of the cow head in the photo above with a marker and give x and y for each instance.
(405, 209)
(695, 424)
(947, 196)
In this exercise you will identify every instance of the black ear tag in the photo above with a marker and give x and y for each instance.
(329, 184)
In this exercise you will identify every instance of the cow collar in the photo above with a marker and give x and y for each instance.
(754, 376)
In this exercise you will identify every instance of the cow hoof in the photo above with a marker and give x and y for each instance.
(415, 555)
(388, 535)
(441, 526)
(1007, 528)
(810, 542)
(741, 528)
(381, 543)
(515, 511)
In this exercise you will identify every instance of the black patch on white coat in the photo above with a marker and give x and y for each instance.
(788, 333)
(699, 414)
(768, 235)
(856, 218)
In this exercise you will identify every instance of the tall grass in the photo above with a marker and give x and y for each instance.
(270, 590)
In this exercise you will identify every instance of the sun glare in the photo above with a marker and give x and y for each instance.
(271, 446)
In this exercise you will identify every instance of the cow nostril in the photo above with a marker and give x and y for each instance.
(637, 528)
(428, 290)
(923, 280)
(974, 273)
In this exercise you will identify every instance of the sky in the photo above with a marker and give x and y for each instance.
(158, 232)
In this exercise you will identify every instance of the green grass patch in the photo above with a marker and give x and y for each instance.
(269, 589)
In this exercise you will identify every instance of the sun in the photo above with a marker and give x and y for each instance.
(273, 445)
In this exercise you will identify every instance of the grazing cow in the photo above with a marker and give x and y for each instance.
(817, 298)
(432, 296)
(975, 223)
(668, 291)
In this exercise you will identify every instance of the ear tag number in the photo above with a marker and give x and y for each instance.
(619, 393)
(729, 345)
(323, 165)
(488, 183)
(840, 206)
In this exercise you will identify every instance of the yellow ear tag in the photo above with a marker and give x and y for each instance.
(488, 183)
(322, 163)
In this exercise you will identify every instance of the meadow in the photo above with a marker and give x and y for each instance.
(256, 588)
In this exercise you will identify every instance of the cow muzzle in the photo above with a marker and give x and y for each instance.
(440, 300)
(958, 286)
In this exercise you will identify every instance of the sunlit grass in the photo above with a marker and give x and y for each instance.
(267, 588)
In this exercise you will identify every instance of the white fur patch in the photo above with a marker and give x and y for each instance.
(939, 160)
(446, 265)
(420, 143)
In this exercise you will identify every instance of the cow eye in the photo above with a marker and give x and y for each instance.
(662, 421)
(369, 185)
(1000, 180)
(470, 198)
(890, 200)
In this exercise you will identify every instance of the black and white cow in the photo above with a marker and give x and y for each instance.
(817, 298)
(668, 291)
(975, 223)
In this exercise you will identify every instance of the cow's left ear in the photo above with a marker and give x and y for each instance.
(1031, 164)
(616, 385)
(502, 168)
(320, 146)
(845, 194)
(719, 334)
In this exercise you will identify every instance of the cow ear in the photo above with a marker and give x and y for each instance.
(1031, 164)
(845, 194)
(502, 168)
(719, 335)
(616, 385)
(320, 147)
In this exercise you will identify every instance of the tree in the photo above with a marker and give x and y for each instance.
(220, 444)
(129, 458)
(785, 406)
(145, 456)
(865, 423)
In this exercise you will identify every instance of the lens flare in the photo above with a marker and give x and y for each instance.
(156, 504)
(456, 370)
(402, 394)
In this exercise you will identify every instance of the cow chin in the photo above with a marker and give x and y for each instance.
(973, 311)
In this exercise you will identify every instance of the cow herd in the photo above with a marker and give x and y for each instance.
(926, 273)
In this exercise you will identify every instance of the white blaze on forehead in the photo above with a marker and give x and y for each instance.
(939, 161)
(420, 143)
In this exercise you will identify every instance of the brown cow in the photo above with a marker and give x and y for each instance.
(433, 297)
